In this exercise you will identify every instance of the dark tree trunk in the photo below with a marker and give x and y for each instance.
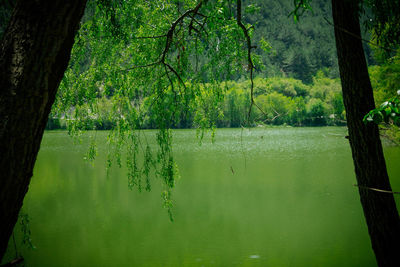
(379, 208)
(34, 54)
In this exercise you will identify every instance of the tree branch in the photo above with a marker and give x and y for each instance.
(171, 30)
(249, 59)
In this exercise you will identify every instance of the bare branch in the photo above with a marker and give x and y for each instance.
(171, 30)
(249, 59)
(198, 23)
(173, 90)
(176, 73)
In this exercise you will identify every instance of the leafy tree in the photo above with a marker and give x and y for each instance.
(276, 106)
(324, 87)
(287, 86)
(119, 55)
(385, 78)
(299, 114)
(317, 111)
(236, 105)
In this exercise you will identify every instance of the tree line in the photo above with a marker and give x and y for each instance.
(281, 101)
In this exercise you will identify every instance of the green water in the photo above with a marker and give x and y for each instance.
(260, 197)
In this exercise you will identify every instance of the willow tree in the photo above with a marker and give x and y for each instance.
(136, 54)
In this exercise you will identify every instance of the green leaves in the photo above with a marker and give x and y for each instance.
(301, 6)
(388, 112)
(26, 230)
(265, 45)
(252, 8)
(145, 64)
(92, 151)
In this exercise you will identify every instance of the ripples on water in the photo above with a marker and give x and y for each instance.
(284, 143)
(256, 197)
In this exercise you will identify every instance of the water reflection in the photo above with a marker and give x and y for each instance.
(259, 197)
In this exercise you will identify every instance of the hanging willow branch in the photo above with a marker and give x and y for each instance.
(191, 13)
(249, 59)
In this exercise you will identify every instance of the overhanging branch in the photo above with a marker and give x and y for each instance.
(249, 59)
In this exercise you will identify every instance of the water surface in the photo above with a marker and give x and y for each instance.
(259, 197)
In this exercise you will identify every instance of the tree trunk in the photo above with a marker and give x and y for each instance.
(379, 208)
(34, 54)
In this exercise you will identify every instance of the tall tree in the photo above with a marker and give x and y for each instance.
(379, 207)
(34, 54)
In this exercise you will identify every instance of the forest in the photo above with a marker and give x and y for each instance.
(263, 125)
(296, 82)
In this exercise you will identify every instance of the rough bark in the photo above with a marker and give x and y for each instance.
(379, 208)
(34, 54)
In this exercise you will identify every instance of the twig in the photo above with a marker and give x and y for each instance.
(376, 189)
(176, 73)
(358, 37)
(250, 61)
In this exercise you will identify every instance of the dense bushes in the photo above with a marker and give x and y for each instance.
(286, 101)
(278, 101)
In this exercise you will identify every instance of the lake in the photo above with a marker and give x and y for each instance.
(256, 197)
